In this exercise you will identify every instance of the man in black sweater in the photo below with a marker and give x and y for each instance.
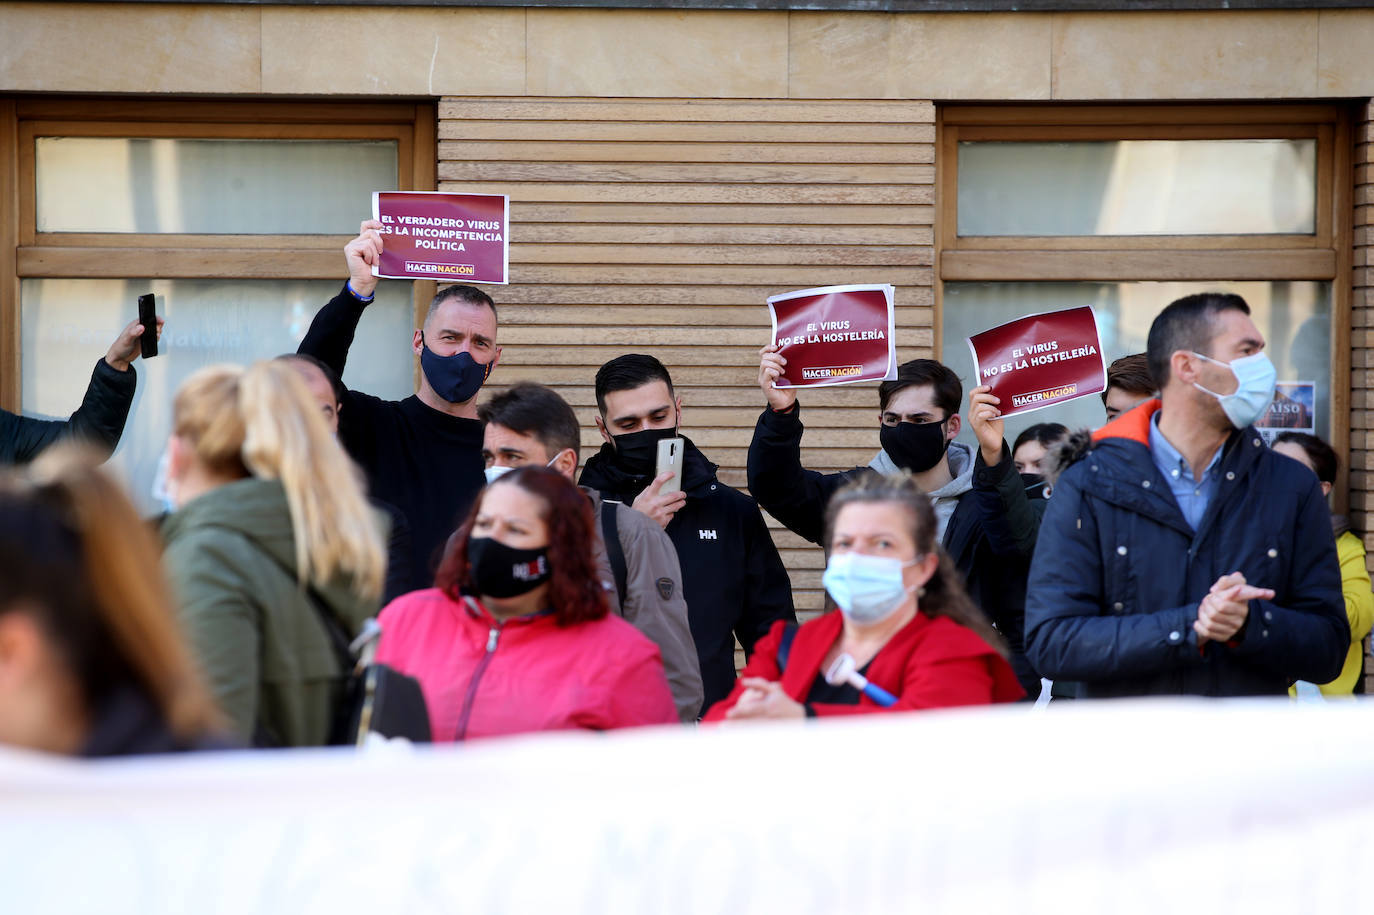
(423, 454)
(733, 579)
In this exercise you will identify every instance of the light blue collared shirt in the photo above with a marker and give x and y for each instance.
(1192, 496)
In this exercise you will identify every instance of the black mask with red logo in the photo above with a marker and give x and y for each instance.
(497, 570)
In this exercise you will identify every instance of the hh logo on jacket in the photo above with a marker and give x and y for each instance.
(707, 535)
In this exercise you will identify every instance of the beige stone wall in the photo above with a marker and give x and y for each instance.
(661, 227)
(453, 51)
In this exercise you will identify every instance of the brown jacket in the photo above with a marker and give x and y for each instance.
(654, 604)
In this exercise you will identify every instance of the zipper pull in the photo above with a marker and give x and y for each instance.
(491, 640)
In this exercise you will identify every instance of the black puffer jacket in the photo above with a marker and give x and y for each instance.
(733, 579)
(99, 421)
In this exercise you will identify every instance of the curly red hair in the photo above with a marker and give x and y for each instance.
(576, 594)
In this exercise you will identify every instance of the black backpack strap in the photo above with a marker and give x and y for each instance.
(789, 632)
(610, 533)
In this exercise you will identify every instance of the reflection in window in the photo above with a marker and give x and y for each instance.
(69, 324)
(1138, 187)
(1295, 318)
(210, 187)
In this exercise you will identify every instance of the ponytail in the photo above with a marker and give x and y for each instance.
(264, 420)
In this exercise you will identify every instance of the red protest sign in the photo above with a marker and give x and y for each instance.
(1041, 360)
(834, 335)
(428, 235)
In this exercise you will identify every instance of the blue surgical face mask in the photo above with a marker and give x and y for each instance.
(456, 378)
(1256, 378)
(867, 589)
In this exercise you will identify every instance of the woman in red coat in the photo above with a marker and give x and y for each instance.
(906, 636)
(515, 636)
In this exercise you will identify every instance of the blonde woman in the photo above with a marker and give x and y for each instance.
(271, 529)
(92, 662)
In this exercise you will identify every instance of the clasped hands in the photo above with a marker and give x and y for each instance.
(1224, 610)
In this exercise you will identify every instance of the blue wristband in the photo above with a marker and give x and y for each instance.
(353, 292)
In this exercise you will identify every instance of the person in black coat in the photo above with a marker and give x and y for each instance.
(1179, 555)
(733, 579)
(98, 422)
(985, 519)
(423, 455)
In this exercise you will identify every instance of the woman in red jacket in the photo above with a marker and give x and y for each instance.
(515, 635)
(906, 637)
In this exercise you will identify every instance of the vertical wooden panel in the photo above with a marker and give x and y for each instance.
(662, 226)
(9, 242)
(1360, 255)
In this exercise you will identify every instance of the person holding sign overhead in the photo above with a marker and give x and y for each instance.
(918, 421)
(422, 454)
(1179, 555)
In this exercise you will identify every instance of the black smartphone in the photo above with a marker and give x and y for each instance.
(147, 316)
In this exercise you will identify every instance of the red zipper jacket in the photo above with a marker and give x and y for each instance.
(482, 677)
(928, 663)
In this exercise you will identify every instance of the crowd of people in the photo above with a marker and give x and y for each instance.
(448, 539)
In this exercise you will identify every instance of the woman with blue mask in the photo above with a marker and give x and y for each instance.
(905, 635)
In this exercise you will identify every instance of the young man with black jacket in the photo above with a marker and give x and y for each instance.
(735, 582)
(986, 522)
(423, 454)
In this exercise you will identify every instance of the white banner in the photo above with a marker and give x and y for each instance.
(1149, 807)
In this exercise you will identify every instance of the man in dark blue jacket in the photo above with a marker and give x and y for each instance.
(1179, 555)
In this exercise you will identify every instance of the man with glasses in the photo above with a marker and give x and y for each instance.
(985, 522)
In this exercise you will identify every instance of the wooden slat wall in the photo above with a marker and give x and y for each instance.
(662, 226)
(1362, 342)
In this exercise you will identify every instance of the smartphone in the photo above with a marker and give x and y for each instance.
(147, 316)
(670, 453)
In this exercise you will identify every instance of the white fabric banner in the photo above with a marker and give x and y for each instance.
(1142, 807)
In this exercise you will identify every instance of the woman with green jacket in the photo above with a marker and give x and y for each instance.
(271, 530)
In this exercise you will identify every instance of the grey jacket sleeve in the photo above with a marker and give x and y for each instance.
(656, 607)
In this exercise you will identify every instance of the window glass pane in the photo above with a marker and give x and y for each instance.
(1138, 187)
(230, 187)
(1294, 317)
(69, 324)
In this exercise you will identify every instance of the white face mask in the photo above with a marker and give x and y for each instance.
(1256, 379)
(496, 471)
(164, 488)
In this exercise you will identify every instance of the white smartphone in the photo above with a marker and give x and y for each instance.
(670, 452)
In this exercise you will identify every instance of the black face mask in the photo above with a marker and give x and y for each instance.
(636, 453)
(914, 446)
(1036, 485)
(498, 570)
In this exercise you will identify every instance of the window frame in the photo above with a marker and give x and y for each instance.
(28, 253)
(1326, 255)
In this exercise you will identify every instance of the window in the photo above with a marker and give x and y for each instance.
(1129, 208)
(234, 213)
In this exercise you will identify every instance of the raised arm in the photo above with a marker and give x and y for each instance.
(331, 333)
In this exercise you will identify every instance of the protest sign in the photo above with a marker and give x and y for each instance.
(834, 335)
(428, 235)
(1041, 360)
(1293, 409)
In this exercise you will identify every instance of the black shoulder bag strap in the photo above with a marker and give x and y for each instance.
(610, 533)
(789, 632)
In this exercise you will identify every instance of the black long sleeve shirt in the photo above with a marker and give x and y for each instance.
(425, 463)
